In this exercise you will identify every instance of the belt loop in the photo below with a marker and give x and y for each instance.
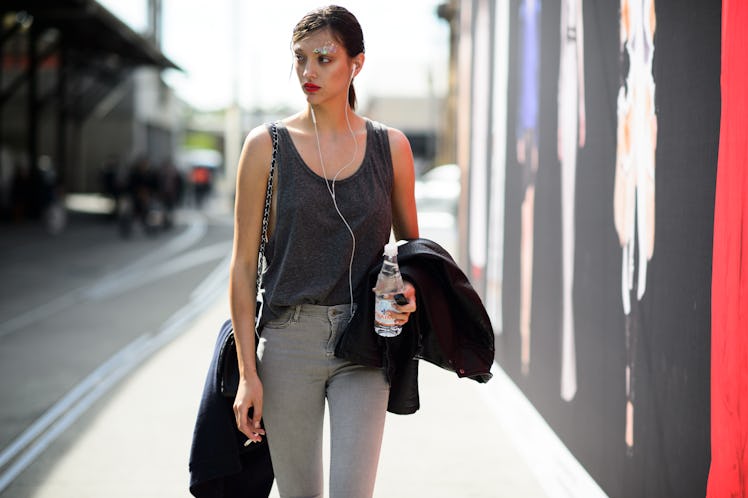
(296, 313)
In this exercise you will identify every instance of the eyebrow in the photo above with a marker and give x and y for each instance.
(329, 48)
(314, 52)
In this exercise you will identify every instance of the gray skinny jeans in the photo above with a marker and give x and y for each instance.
(299, 370)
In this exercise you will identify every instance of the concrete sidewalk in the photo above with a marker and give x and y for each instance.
(136, 440)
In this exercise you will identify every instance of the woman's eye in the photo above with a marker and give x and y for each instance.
(324, 60)
(299, 58)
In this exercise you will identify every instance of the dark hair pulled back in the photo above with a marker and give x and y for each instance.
(345, 28)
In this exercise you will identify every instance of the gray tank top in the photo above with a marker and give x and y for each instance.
(310, 248)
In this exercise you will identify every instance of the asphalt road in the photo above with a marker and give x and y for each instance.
(82, 309)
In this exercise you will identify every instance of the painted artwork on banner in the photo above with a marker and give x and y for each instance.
(634, 193)
(597, 153)
(479, 146)
(571, 137)
(496, 210)
(527, 134)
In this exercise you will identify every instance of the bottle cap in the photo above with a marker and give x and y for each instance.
(390, 249)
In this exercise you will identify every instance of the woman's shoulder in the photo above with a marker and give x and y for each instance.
(401, 153)
(257, 149)
(397, 139)
(399, 143)
(259, 136)
(262, 132)
(259, 139)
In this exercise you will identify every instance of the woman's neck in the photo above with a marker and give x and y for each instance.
(329, 120)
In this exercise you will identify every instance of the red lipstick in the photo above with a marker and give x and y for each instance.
(311, 87)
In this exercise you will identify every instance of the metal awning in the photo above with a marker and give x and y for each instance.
(90, 28)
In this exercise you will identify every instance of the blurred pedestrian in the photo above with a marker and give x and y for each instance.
(53, 196)
(23, 191)
(140, 199)
(141, 185)
(343, 183)
(170, 188)
(202, 182)
(108, 176)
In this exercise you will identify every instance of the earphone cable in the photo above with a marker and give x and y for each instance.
(331, 190)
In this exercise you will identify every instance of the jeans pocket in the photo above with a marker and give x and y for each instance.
(282, 321)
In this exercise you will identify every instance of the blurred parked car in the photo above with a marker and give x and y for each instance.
(439, 189)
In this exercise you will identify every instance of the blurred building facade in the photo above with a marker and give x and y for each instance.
(78, 89)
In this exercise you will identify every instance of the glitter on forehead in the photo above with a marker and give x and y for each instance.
(329, 47)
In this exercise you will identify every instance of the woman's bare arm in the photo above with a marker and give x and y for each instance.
(252, 175)
(404, 215)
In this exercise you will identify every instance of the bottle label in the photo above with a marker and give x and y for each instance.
(382, 308)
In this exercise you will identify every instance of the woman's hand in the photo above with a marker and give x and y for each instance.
(249, 397)
(401, 312)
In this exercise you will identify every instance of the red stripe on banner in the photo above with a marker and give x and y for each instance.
(728, 475)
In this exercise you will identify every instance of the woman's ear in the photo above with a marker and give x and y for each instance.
(358, 63)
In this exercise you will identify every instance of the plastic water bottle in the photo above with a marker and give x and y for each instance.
(389, 283)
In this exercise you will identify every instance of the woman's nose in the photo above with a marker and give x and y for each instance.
(309, 71)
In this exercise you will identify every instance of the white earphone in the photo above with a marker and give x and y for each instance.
(331, 185)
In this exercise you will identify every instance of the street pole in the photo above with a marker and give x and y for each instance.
(232, 122)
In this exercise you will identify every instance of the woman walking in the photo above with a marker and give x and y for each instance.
(342, 184)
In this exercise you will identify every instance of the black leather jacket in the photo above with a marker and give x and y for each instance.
(220, 465)
(450, 327)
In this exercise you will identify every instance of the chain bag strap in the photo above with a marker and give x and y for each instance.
(261, 263)
(228, 367)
